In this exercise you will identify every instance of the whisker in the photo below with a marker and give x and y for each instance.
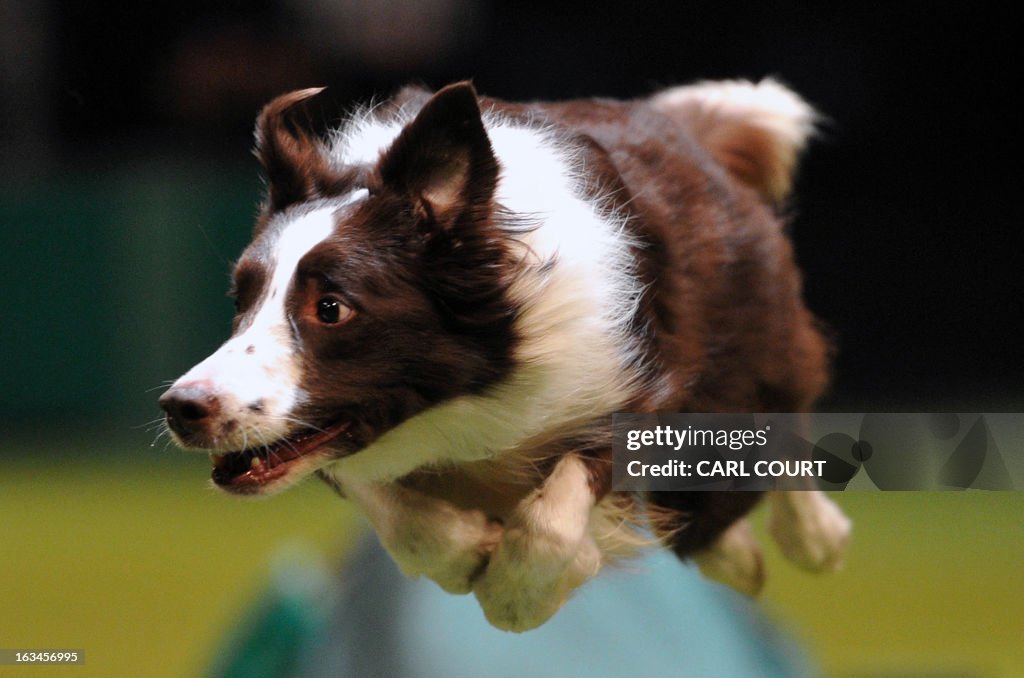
(294, 420)
(287, 443)
(264, 445)
(163, 384)
(150, 425)
(162, 430)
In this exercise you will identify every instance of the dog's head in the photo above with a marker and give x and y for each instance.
(369, 293)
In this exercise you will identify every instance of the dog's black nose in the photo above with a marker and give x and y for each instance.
(190, 407)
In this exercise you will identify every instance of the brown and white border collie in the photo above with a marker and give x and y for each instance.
(446, 300)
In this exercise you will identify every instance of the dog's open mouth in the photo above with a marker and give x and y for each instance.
(247, 471)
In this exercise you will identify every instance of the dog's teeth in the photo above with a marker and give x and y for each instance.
(255, 463)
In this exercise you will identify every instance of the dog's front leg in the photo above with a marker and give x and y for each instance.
(428, 536)
(546, 551)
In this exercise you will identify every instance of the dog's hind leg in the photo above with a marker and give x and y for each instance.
(709, 527)
(809, 528)
(735, 559)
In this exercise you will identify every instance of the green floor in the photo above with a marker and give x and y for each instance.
(134, 559)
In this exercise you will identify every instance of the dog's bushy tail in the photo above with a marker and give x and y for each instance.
(755, 130)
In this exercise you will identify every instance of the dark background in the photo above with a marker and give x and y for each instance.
(128, 186)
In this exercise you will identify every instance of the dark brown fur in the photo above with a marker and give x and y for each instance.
(723, 314)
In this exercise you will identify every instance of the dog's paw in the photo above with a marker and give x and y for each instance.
(455, 571)
(735, 560)
(520, 591)
(811, 531)
(452, 552)
(519, 608)
(529, 578)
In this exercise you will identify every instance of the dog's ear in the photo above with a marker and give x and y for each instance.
(295, 166)
(443, 160)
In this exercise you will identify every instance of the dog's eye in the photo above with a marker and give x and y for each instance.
(330, 311)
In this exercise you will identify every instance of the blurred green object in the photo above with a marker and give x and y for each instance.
(287, 620)
(114, 283)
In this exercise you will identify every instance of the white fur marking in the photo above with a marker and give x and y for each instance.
(269, 373)
(767, 104)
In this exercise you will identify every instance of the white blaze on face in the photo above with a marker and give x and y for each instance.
(256, 373)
